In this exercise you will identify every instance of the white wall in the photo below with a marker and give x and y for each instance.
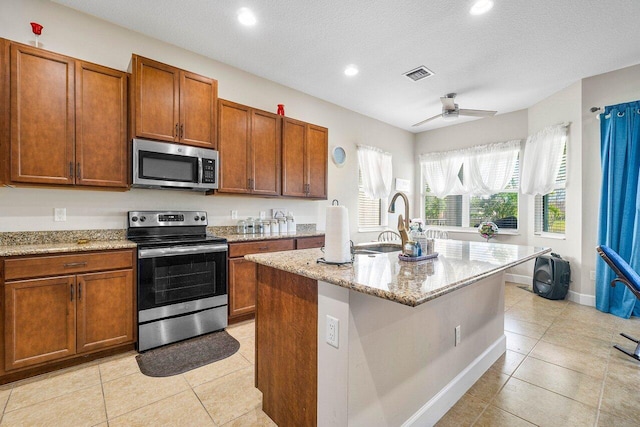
(82, 36)
(563, 106)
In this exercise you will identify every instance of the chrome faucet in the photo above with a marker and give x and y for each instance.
(403, 225)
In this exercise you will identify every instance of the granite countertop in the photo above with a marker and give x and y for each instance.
(459, 264)
(52, 242)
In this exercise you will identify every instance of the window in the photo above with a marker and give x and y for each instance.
(469, 211)
(550, 209)
(370, 211)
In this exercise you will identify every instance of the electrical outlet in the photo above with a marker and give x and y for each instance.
(59, 214)
(333, 331)
(457, 335)
(592, 275)
(234, 214)
(263, 214)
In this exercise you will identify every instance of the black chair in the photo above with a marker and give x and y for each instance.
(627, 276)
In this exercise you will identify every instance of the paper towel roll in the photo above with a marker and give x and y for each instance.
(337, 245)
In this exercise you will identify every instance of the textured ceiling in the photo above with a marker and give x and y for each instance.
(508, 59)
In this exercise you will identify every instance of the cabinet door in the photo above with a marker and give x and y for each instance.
(101, 126)
(317, 152)
(198, 100)
(242, 286)
(39, 320)
(293, 158)
(42, 116)
(265, 153)
(233, 147)
(157, 95)
(105, 309)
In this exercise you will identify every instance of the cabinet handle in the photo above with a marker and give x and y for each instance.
(248, 183)
(71, 287)
(79, 291)
(78, 173)
(176, 130)
(181, 130)
(70, 169)
(75, 264)
(252, 184)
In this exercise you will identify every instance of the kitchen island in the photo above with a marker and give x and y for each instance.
(397, 361)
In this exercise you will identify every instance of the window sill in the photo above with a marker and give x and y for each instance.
(465, 230)
(551, 236)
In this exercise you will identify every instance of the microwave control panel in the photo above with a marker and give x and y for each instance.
(208, 171)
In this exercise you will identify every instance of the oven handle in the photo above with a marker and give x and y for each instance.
(180, 250)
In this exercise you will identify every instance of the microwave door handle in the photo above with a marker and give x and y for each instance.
(199, 170)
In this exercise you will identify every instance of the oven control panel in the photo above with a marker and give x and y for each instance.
(164, 218)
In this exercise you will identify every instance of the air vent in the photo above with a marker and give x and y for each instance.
(419, 73)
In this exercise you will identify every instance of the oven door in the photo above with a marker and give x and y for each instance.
(180, 279)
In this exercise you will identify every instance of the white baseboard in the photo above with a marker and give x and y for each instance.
(583, 299)
(520, 279)
(439, 404)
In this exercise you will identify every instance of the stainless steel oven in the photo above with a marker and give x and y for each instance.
(182, 277)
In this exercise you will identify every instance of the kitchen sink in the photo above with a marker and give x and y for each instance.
(376, 248)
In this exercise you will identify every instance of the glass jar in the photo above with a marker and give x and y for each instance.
(241, 228)
(266, 226)
(274, 226)
(282, 226)
(251, 226)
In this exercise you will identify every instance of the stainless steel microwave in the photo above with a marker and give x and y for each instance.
(172, 166)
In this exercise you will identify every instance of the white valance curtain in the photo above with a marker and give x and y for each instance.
(487, 169)
(542, 158)
(376, 170)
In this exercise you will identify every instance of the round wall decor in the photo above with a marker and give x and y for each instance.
(339, 156)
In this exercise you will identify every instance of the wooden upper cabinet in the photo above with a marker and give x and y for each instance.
(101, 126)
(42, 116)
(68, 120)
(266, 155)
(249, 145)
(305, 156)
(172, 104)
(233, 147)
(317, 160)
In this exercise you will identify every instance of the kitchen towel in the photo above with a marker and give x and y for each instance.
(337, 245)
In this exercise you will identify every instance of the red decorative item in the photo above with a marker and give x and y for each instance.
(281, 109)
(36, 28)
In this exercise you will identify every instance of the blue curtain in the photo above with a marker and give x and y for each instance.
(619, 223)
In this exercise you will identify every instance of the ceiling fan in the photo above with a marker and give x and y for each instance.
(450, 110)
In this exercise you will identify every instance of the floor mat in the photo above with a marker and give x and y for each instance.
(174, 359)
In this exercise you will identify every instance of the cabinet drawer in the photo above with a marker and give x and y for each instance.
(242, 249)
(310, 242)
(25, 267)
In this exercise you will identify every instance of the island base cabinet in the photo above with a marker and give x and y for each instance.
(40, 321)
(287, 346)
(105, 304)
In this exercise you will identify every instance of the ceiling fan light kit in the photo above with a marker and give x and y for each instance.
(451, 111)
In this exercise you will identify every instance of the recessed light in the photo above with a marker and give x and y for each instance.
(481, 6)
(351, 70)
(246, 17)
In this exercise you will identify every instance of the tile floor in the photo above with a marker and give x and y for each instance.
(559, 370)
(113, 392)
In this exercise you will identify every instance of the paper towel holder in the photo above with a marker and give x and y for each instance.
(339, 264)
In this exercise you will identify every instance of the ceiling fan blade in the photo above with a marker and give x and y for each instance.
(477, 113)
(427, 120)
(448, 103)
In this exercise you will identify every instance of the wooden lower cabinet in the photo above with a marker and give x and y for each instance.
(243, 274)
(242, 287)
(52, 319)
(104, 308)
(40, 321)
